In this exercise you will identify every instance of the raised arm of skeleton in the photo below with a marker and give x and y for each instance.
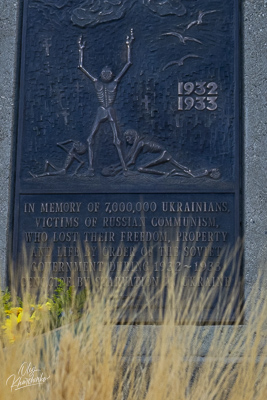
(81, 45)
(129, 41)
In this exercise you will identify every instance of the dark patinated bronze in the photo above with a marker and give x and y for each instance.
(137, 161)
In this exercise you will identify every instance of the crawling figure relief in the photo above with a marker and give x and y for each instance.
(77, 149)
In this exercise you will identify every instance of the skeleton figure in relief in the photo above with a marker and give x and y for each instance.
(106, 91)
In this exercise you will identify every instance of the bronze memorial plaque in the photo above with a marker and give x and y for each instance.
(128, 147)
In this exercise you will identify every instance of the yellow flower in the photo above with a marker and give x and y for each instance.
(10, 327)
(33, 316)
(14, 310)
(19, 318)
(48, 305)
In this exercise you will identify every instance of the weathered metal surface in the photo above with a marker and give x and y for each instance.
(129, 138)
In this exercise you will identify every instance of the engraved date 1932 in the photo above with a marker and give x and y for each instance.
(198, 95)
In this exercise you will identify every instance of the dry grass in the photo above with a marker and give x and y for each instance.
(95, 359)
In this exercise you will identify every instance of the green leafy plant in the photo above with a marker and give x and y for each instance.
(37, 316)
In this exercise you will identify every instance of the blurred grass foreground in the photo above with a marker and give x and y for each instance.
(69, 345)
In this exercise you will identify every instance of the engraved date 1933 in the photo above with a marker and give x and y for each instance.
(198, 95)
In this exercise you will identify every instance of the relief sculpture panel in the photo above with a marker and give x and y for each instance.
(129, 144)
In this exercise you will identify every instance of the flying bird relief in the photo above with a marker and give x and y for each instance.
(199, 20)
(181, 61)
(183, 39)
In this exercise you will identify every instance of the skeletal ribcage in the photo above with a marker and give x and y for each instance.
(106, 97)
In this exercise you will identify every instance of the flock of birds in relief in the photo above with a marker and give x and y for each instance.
(185, 39)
